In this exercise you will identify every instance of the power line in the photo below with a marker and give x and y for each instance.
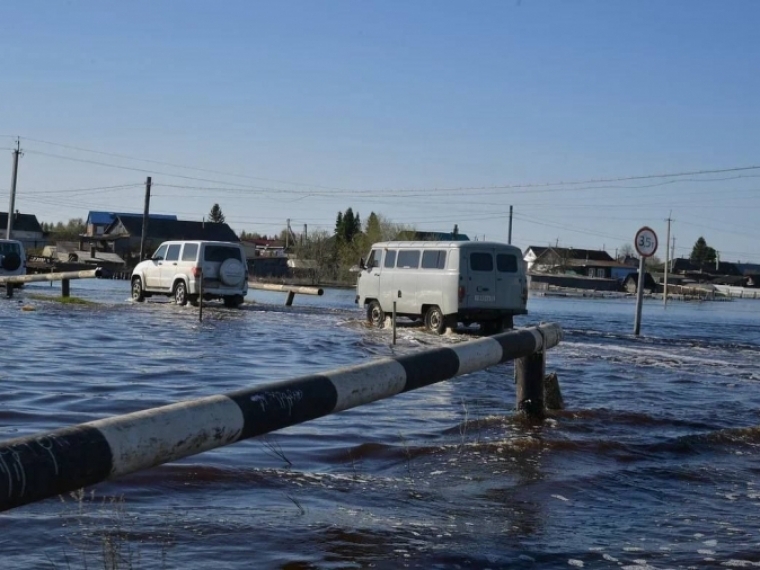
(403, 192)
(173, 165)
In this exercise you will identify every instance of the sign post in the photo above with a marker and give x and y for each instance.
(646, 245)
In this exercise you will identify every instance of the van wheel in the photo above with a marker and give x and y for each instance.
(137, 290)
(434, 320)
(180, 293)
(375, 314)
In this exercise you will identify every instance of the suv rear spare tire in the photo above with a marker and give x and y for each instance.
(231, 272)
(10, 261)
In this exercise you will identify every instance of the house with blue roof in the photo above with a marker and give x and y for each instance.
(97, 222)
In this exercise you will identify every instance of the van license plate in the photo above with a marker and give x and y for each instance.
(485, 298)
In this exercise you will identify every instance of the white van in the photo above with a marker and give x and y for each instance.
(444, 283)
(12, 258)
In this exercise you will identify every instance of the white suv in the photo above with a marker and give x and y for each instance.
(176, 268)
(12, 258)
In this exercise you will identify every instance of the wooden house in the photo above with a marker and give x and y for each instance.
(586, 262)
(25, 228)
(125, 233)
(98, 221)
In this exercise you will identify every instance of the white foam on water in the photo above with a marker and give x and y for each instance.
(575, 563)
(560, 497)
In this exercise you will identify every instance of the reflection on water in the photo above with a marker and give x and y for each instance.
(653, 464)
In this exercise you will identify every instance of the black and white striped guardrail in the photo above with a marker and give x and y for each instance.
(44, 465)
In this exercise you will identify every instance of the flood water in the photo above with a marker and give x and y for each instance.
(654, 463)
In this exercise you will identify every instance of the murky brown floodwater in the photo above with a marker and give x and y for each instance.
(654, 464)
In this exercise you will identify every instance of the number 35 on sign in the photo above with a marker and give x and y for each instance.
(646, 242)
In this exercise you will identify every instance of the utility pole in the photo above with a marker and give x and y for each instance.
(287, 234)
(14, 175)
(673, 253)
(509, 240)
(146, 209)
(667, 261)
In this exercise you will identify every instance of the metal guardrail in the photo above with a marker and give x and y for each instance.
(47, 464)
(291, 290)
(63, 277)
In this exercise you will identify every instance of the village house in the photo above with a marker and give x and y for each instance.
(25, 228)
(125, 233)
(97, 221)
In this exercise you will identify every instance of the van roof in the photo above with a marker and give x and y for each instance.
(450, 244)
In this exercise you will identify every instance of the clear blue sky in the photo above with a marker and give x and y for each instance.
(324, 105)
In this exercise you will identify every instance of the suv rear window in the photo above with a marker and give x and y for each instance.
(7, 247)
(221, 253)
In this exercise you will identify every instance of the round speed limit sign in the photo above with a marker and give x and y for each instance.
(646, 242)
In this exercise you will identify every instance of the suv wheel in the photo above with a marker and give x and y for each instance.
(233, 301)
(137, 290)
(180, 293)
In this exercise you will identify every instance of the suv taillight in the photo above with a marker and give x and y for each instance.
(461, 293)
(197, 272)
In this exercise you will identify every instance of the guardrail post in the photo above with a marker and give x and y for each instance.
(529, 380)
(65, 288)
(291, 296)
(9, 290)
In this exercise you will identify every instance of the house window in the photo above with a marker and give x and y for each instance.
(600, 273)
(481, 261)
(408, 259)
(390, 258)
(434, 259)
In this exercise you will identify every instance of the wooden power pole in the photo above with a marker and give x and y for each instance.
(146, 210)
(12, 205)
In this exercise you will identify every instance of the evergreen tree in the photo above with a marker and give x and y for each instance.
(216, 215)
(339, 226)
(702, 253)
(455, 233)
(348, 225)
(373, 230)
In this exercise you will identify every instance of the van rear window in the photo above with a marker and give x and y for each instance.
(506, 263)
(434, 259)
(408, 259)
(481, 261)
(221, 253)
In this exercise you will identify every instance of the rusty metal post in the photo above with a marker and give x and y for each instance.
(393, 318)
(65, 288)
(200, 298)
(529, 381)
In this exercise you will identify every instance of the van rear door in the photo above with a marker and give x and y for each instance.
(510, 280)
(481, 278)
